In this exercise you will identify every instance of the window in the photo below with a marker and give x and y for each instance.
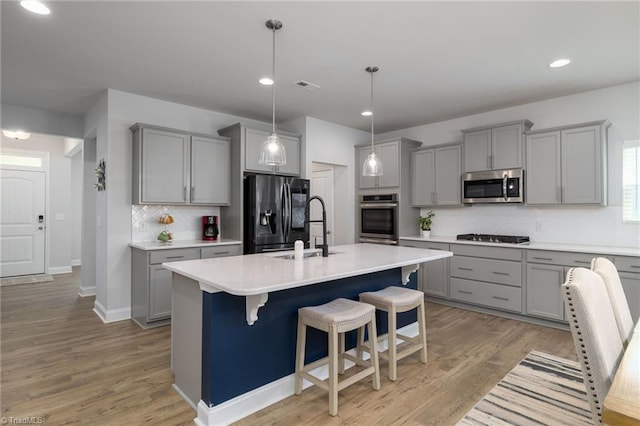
(631, 181)
(19, 160)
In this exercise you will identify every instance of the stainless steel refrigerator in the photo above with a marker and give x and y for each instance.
(274, 212)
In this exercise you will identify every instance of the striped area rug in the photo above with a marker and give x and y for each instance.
(541, 390)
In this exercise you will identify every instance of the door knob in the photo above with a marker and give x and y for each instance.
(41, 227)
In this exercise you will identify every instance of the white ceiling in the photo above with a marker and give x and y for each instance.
(437, 60)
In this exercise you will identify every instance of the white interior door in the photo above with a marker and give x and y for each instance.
(22, 197)
(321, 185)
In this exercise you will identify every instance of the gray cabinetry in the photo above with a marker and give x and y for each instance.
(487, 276)
(389, 154)
(629, 270)
(495, 147)
(567, 165)
(435, 176)
(546, 272)
(174, 167)
(209, 171)
(151, 283)
(253, 146)
(433, 277)
(161, 164)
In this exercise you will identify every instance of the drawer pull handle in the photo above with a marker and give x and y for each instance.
(465, 269)
(583, 262)
(635, 266)
(501, 273)
(543, 258)
(506, 299)
(174, 257)
(465, 292)
(220, 252)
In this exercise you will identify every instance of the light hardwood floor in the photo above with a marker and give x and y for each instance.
(60, 362)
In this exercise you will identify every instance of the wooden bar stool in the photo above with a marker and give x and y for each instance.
(336, 318)
(394, 300)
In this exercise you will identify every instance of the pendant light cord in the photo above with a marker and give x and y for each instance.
(371, 111)
(273, 86)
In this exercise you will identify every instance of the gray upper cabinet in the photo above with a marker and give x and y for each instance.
(162, 160)
(495, 147)
(174, 167)
(389, 154)
(395, 155)
(435, 175)
(567, 165)
(253, 146)
(543, 177)
(210, 172)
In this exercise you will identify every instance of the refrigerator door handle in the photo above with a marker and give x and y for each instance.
(289, 210)
(283, 213)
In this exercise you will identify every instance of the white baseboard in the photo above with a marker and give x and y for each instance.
(112, 315)
(184, 395)
(54, 270)
(76, 262)
(86, 291)
(257, 399)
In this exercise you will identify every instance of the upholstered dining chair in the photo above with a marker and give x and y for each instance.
(595, 333)
(607, 270)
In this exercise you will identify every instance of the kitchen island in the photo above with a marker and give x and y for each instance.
(234, 319)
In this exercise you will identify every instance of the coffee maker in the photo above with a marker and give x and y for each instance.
(209, 228)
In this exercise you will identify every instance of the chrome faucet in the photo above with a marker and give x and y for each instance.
(325, 245)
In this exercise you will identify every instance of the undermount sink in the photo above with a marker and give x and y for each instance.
(305, 255)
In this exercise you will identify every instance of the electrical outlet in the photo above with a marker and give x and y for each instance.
(98, 221)
(142, 226)
(538, 225)
(59, 216)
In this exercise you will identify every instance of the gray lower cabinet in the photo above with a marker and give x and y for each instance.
(629, 271)
(487, 276)
(433, 277)
(546, 272)
(151, 283)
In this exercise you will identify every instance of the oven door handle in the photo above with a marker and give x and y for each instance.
(368, 205)
(379, 241)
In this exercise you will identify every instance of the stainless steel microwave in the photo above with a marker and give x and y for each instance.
(493, 186)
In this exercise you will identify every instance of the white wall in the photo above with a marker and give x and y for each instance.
(331, 143)
(76, 208)
(585, 225)
(41, 121)
(89, 241)
(59, 202)
(110, 120)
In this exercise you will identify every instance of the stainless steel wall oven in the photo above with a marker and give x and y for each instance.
(379, 219)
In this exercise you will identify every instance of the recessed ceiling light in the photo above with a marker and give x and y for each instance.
(366, 113)
(560, 63)
(35, 7)
(266, 81)
(16, 134)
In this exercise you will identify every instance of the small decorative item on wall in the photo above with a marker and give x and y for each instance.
(100, 173)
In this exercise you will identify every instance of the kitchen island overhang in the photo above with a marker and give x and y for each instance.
(244, 368)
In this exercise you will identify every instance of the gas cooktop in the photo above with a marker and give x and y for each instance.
(489, 238)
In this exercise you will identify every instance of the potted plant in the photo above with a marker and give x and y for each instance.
(425, 224)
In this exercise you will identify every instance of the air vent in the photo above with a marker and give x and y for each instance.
(307, 85)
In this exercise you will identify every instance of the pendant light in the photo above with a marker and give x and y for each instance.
(372, 165)
(273, 152)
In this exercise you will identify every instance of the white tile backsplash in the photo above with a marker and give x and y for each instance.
(187, 221)
(570, 225)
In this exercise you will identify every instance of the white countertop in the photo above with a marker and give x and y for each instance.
(263, 273)
(157, 245)
(534, 245)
